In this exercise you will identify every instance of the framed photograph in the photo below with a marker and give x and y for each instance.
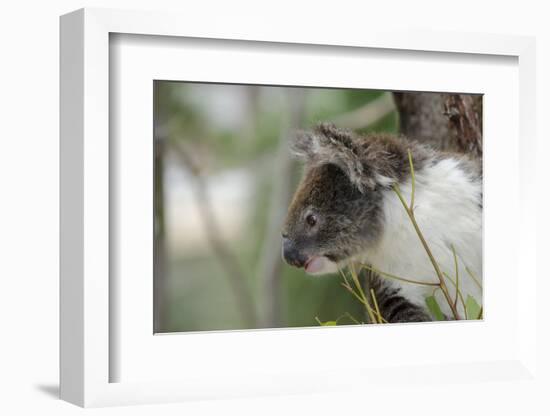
(267, 212)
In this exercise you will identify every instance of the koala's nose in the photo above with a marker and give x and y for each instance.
(291, 254)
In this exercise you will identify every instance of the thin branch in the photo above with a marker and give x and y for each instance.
(355, 279)
(376, 308)
(461, 297)
(392, 276)
(343, 275)
(456, 273)
(413, 180)
(236, 276)
(360, 295)
(428, 252)
(369, 309)
(350, 316)
(473, 277)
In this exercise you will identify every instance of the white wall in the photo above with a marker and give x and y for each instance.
(29, 181)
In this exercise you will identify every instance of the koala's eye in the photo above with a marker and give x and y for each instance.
(311, 220)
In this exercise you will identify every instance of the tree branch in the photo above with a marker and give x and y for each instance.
(270, 264)
(229, 263)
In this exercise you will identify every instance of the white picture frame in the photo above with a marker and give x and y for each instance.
(87, 303)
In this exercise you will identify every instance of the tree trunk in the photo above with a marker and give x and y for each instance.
(448, 122)
(465, 118)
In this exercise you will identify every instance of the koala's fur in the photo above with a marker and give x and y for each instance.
(347, 188)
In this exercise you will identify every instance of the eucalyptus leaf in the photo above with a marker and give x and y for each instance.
(327, 323)
(473, 310)
(434, 308)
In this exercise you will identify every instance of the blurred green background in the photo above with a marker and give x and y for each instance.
(223, 180)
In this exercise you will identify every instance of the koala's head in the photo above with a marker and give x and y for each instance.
(336, 212)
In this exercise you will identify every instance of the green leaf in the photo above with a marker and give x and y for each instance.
(434, 308)
(327, 323)
(473, 310)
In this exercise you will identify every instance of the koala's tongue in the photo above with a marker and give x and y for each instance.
(316, 264)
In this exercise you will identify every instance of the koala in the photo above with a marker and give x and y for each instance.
(345, 210)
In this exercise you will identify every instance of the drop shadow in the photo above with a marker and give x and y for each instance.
(51, 390)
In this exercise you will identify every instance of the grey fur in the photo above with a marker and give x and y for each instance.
(343, 184)
(394, 308)
(344, 178)
(364, 159)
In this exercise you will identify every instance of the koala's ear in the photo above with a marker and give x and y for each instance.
(330, 144)
(304, 145)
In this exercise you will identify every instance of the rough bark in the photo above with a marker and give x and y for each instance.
(448, 122)
(465, 118)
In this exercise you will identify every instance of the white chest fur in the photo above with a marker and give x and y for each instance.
(448, 212)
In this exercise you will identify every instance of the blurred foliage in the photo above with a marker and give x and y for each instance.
(196, 293)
